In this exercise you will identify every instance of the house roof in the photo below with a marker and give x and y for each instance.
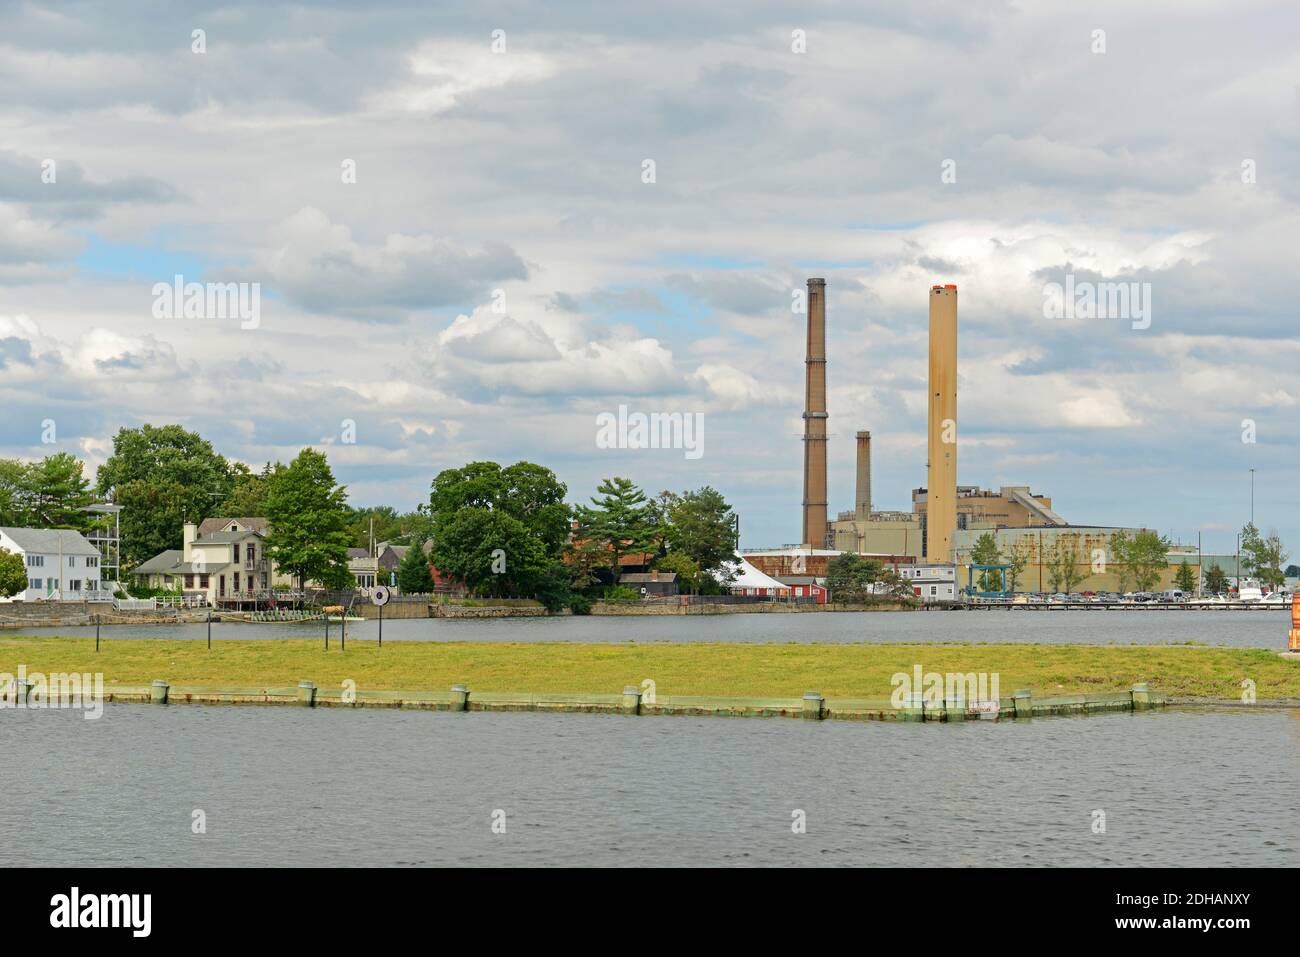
(798, 580)
(358, 553)
(210, 526)
(50, 540)
(642, 578)
(225, 538)
(165, 561)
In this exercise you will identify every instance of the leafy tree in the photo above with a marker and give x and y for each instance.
(1216, 580)
(1148, 557)
(1293, 571)
(1063, 564)
(308, 514)
(850, 577)
(1185, 578)
(56, 491)
(413, 575)
(162, 476)
(986, 552)
(1018, 559)
(12, 484)
(13, 573)
(702, 526)
(501, 531)
(248, 491)
(621, 520)
(688, 573)
(1120, 559)
(1262, 557)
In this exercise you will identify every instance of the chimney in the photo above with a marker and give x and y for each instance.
(941, 446)
(187, 539)
(862, 505)
(814, 420)
(654, 574)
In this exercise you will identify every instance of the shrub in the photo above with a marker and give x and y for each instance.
(580, 604)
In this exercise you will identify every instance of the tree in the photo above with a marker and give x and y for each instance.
(1063, 564)
(702, 526)
(1185, 578)
(500, 531)
(1018, 559)
(163, 477)
(986, 552)
(413, 575)
(248, 492)
(1148, 557)
(688, 573)
(621, 520)
(13, 574)
(1262, 557)
(1293, 571)
(56, 492)
(308, 514)
(1121, 548)
(1216, 580)
(850, 577)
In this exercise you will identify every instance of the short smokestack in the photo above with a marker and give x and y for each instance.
(941, 495)
(862, 503)
(814, 420)
(188, 532)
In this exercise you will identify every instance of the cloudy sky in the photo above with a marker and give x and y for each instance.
(500, 273)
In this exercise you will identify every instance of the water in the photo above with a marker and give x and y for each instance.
(331, 788)
(1244, 629)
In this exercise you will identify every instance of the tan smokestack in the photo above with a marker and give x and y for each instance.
(941, 495)
(862, 505)
(814, 420)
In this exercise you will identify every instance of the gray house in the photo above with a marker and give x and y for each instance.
(61, 564)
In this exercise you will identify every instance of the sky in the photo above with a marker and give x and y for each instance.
(461, 254)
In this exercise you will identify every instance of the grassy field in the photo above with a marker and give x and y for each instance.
(732, 670)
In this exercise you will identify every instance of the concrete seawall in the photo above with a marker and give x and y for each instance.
(631, 701)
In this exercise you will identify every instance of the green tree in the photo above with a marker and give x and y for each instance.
(1018, 559)
(1119, 559)
(500, 531)
(248, 492)
(1185, 578)
(621, 520)
(13, 574)
(702, 526)
(1063, 570)
(688, 573)
(850, 577)
(413, 575)
(56, 491)
(307, 513)
(986, 552)
(1216, 580)
(162, 476)
(1148, 557)
(1263, 557)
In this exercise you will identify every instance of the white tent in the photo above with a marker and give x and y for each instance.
(750, 581)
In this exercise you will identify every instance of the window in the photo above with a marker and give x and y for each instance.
(236, 562)
(236, 588)
(221, 584)
(252, 553)
(92, 585)
(74, 584)
(203, 581)
(72, 561)
(36, 561)
(92, 562)
(34, 583)
(189, 581)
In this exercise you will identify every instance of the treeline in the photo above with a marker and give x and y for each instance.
(503, 531)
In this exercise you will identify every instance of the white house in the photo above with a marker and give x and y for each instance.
(61, 564)
(221, 560)
(931, 583)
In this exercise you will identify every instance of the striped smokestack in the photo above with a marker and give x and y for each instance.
(862, 504)
(814, 420)
(941, 494)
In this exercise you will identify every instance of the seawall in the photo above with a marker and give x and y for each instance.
(1021, 705)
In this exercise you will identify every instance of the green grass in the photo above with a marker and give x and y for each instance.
(729, 670)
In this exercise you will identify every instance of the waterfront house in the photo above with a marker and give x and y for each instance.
(221, 561)
(61, 564)
(651, 584)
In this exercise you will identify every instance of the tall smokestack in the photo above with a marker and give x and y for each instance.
(814, 420)
(941, 495)
(862, 505)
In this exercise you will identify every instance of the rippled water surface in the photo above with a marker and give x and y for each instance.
(330, 787)
(1254, 629)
